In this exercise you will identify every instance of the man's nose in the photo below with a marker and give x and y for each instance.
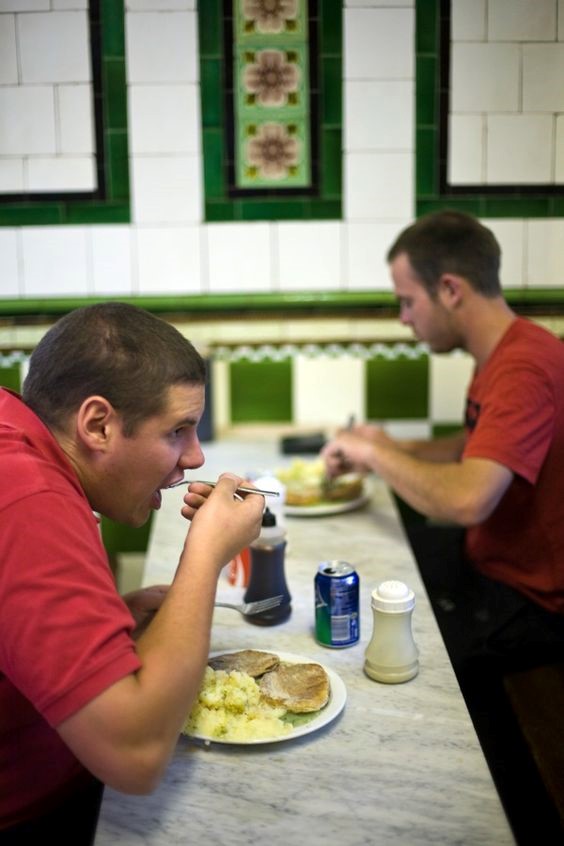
(192, 456)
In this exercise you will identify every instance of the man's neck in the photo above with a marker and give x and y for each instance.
(487, 324)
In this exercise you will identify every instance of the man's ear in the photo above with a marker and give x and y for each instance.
(450, 290)
(96, 422)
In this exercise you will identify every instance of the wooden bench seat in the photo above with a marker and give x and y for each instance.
(537, 698)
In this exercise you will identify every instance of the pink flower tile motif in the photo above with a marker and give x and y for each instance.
(270, 16)
(271, 78)
(273, 151)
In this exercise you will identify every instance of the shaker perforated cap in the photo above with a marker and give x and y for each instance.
(393, 596)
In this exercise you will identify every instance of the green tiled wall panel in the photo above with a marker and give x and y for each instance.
(397, 389)
(430, 196)
(108, 30)
(261, 392)
(219, 205)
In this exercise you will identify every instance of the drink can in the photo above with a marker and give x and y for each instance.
(337, 620)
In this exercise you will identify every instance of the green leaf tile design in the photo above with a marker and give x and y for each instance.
(261, 66)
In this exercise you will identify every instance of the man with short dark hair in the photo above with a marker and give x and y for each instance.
(496, 583)
(94, 689)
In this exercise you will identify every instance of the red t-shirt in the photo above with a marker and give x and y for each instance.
(65, 634)
(515, 416)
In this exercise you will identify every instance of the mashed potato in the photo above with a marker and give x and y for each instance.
(230, 707)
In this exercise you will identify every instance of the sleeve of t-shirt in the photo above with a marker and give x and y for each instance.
(65, 633)
(516, 422)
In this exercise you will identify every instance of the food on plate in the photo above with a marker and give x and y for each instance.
(300, 688)
(233, 706)
(307, 483)
(249, 661)
(230, 707)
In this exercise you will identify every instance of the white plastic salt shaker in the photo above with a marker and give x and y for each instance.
(392, 656)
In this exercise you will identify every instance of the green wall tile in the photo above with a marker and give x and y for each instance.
(397, 389)
(116, 104)
(10, 377)
(332, 88)
(331, 31)
(427, 23)
(331, 163)
(214, 179)
(211, 74)
(210, 14)
(442, 430)
(427, 94)
(113, 28)
(261, 392)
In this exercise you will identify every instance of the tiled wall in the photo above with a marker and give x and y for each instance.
(167, 249)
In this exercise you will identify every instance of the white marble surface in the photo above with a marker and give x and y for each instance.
(400, 765)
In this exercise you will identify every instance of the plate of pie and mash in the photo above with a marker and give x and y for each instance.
(251, 697)
(311, 493)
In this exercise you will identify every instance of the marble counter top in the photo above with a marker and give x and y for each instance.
(401, 764)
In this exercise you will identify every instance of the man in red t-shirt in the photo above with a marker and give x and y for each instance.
(497, 581)
(94, 688)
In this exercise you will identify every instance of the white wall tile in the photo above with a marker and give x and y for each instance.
(25, 5)
(543, 71)
(521, 20)
(27, 120)
(379, 115)
(111, 260)
(11, 176)
(76, 118)
(71, 173)
(468, 20)
(560, 20)
(164, 119)
(161, 47)
(408, 429)
(166, 189)
(54, 47)
(529, 137)
(10, 284)
(309, 256)
(484, 78)
(545, 266)
(70, 4)
(466, 165)
(8, 56)
(168, 260)
(378, 186)
(54, 261)
(378, 43)
(326, 390)
(449, 376)
(511, 236)
(368, 245)
(239, 257)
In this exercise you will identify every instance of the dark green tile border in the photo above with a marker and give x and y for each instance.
(112, 206)
(432, 23)
(219, 207)
(534, 302)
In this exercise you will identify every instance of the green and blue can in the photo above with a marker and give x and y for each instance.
(337, 619)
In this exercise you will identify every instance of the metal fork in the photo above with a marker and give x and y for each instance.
(253, 607)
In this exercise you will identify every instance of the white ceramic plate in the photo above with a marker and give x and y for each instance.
(337, 699)
(325, 509)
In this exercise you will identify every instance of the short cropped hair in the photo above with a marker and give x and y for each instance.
(451, 242)
(114, 350)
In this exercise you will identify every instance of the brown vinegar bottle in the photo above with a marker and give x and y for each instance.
(267, 577)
